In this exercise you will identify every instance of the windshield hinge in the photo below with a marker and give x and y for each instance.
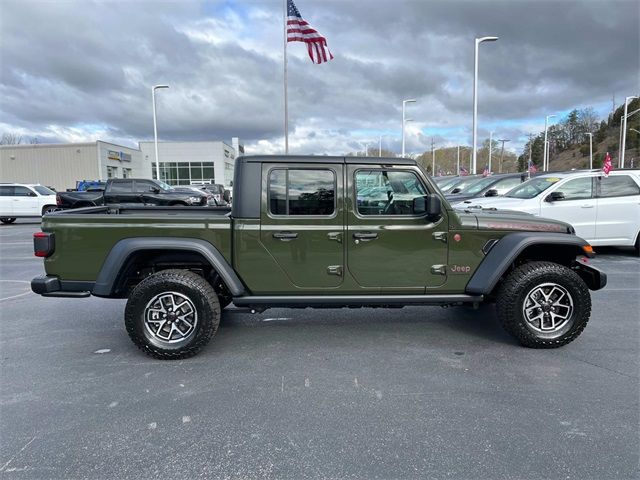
(442, 236)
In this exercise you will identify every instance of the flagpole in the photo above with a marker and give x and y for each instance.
(286, 99)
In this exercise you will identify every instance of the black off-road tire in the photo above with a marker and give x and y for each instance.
(7, 221)
(515, 289)
(179, 284)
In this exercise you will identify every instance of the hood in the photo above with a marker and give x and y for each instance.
(519, 221)
(501, 203)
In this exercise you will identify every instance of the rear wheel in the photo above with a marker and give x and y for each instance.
(543, 305)
(172, 314)
(7, 221)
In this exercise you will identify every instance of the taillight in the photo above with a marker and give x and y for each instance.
(43, 244)
(58, 200)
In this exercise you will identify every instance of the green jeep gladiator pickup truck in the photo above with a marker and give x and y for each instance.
(318, 232)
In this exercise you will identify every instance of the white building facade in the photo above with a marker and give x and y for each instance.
(183, 163)
(61, 165)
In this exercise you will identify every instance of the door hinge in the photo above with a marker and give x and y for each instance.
(442, 236)
(439, 269)
(335, 270)
(337, 236)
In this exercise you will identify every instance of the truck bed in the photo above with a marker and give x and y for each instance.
(85, 236)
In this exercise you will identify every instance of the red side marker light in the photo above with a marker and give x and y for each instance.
(457, 237)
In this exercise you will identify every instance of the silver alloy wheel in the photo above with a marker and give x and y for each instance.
(547, 307)
(170, 317)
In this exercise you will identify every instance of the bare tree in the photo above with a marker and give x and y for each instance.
(10, 139)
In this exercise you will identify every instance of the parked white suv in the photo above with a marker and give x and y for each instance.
(603, 210)
(21, 200)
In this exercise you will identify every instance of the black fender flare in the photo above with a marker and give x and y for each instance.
(122, 250)
(506, 250)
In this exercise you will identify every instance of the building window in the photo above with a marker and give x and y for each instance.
(112, 172)
(185, 173)
(126, 173)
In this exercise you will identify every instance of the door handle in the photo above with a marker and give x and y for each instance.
(586, 206)
(285, 236)
(365, 237)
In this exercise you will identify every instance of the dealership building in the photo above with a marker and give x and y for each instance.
(61, 165)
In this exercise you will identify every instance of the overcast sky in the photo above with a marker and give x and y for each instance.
(83, 71)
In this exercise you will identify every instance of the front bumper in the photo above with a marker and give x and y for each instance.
(51, 286)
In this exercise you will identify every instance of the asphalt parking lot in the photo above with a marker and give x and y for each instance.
(368, 393)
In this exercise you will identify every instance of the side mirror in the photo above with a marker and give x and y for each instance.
(226, 196)
(429, 204)
(554, 197)
(491, 193)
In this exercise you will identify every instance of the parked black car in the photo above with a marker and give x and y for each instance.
(132, 191)
(490, 186)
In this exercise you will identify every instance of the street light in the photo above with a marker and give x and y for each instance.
(624, 130)
(590, 150)
(404, 103)
(475, 97)
(503, 140)
(490, 148)
(545, 149)
(155, 126)
(637, 131)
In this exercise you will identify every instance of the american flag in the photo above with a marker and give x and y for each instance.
(298, 30)
(486, 172)
(607, 166)
(532, 167)
(463, 172)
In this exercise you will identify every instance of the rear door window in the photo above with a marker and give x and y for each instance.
(123, 186)
(302, 192)
(6, 191)
(618, 186)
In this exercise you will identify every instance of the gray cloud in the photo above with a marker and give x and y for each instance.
(70, 70)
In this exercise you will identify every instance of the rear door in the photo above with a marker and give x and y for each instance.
(6, 200)
(577, 208)
(618, 210)
(302, 223)
(120, 191)
(25, 201)
(388, 246)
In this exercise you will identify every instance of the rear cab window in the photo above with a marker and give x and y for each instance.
(121, 186)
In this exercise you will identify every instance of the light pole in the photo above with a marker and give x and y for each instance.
(475, 97)
(590, 150)
(545, 149)
(458, 173)
(433, 159)
(624, 130)
(380, 147)
(490, 148)
(503, 140)
(404, 104)
(155, 126)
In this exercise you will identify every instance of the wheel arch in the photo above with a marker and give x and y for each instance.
(124, 255)
(516, 248)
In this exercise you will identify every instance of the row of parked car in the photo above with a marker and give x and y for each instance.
(604, 210)
(30, 200)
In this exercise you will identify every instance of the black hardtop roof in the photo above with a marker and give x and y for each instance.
(321, 159)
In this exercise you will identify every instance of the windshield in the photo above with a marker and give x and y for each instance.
(478, 186)
(164, 186)
(531, 188)
(446, 186)
(462, 184)
(43, 190)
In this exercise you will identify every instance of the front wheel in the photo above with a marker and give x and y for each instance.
(172, 314)
(7, 221)
(49, 209)
(543, 305)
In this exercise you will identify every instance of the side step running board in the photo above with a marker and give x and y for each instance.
(353, 300)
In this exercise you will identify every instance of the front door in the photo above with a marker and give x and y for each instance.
(577, 208)
(388, 246)
(302, 223)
